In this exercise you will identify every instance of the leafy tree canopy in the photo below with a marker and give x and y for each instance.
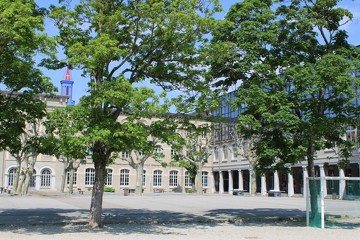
(21, 37)
(296, 76)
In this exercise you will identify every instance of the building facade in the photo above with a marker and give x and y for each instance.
(225, 172)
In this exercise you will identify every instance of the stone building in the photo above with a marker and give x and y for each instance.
(225, 173)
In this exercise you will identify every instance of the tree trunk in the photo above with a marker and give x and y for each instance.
(63, 178)
(71, 180)
(28, 176)
(253, 182)
(29, 173)
(17, 174)
(139, 178)
(198, 181)
(315, 215)
(21, 182)
(16, 178)
(95, 218)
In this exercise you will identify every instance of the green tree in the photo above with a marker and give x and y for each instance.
(65, 141)
(195, 148)
(25, 148)
(120, 43)
(146, 140)
(21, 37)
(296, 69)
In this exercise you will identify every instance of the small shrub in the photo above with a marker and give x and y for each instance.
(109, 189)
(189, 190)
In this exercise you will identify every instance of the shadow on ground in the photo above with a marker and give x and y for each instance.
(57, 221)
(142, 221)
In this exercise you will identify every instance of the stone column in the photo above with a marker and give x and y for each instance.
(276, 181)
(53, 182)
(6, 185)
(37, 181)
(221, 182)
(305, 175)
(290, 184)
(341, 184)
(250, 181)
(323, 181)
(183, 190)
(263, 185)
(241, 182)
(230, 182)
(212, 182)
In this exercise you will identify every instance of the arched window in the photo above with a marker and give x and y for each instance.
(45, 178)
(108, 180)
(89, 176)
(124, 177)
(205, 179)
(157, 178)
(173, 180)
(187, 180)
(12, 174)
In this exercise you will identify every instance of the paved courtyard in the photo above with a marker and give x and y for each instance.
(44, 213)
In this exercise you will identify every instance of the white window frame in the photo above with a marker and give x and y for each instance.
(89, 176)
(109, 177)
(124, 177)
(125, 155)
(188, 183)
(173, 178)
(157, 178)
(205, 179)
(45, 178)
(11, 176)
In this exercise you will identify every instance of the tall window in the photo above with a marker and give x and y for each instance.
(158, 153)
(234, 151)
(144, 178)
(89, 176)
(225, 152)
(74, 177)
(173, 180)
(216, 154)
(125, 155)
(157, 178)
(351, 134)
(204, 177)
(173, 154)
(108, 180)
(203, 135)
(45, 178)
(187, 180)
(124, 177)
(12, 174)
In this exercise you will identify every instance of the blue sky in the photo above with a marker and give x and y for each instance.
(80, 83)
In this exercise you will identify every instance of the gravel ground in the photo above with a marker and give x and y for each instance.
(176, 231)
(44, 215)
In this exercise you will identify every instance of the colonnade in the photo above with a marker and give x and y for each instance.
(264, 186)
